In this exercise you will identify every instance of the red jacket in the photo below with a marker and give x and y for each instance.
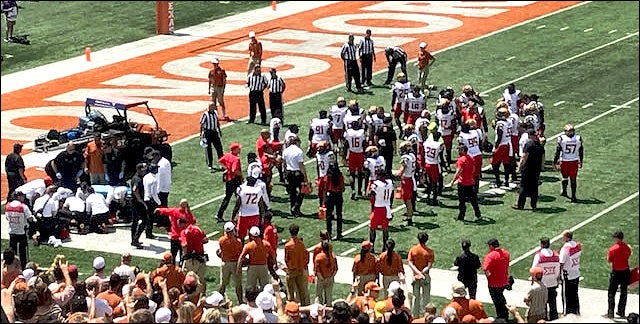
(174, 214)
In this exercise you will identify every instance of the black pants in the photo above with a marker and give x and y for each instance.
(392, 69)
(230, 189)
(140, 214)
(18, 242)
(256, 98)
(352, 71)
(367, 67)
(176, 248)
(334, 201)
(472, 286)
(96, 221)
(571, 296)
(618, 278)
(497, 296)
(48, 226)
(388, 160)
(528, 188)
(467, 193)
(213, 140)
(295, 180)
(552, 307)
(164, 199)
(14, 181)
(275, 105)
(79, 217)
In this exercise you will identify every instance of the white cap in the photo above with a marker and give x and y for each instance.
(215, 60)
(163, 315)
(268, 288)
(438, 320)
(152, 306)
(252, 34)
(423, 44)
(265, 301)
(215, 299)
(393, 288)
(27, 274)
(229, 227)
(98, 263)
(254, 231)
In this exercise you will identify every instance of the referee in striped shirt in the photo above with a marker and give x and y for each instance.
(210, 133)
(276, 88)
(351, 69)
(367, 57)
(257, 83)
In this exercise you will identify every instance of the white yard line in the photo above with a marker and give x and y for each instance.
(558, 103)
(581, 224)
(587, 105)
(588, 30)
(541, 26)
(613, 31)
(510, 58)
(349, 251)
(564, 28)
(560, 63)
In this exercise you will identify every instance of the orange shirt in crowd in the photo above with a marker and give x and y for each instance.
(173, 274)
(420, 255)
(324, 266)
(258, 251)
(230, 248)
(464, 306)
(296, 256)
(93, 154)
(113, 300)
(364, 267)
(387, 269)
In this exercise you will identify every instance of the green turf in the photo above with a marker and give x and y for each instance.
(605, 77)
(62, 31)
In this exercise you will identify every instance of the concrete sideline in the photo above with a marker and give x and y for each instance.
(593, 301)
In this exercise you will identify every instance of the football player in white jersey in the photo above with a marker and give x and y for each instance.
(570, 154)
(253, 163)
(471, 137)
(374, 123)
(381, 193)
(424, 119)
(416, 104)
(319, 130)
(445, 118)
(275, 125)
(354, 142)
(337, 122)
(467, 93)
(353, 113)
(324, 156)
(399, 93)
(407, 174)
(249, 206)
(409, 134)
(502, 150)
(433, 166)
(511, 97)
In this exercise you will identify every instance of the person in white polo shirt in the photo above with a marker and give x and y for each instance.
(98, 211)
(296, 174)
(34, 189)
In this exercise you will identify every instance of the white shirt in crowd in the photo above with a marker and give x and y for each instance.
(96, 204)
(74, 204)
(48, 204)
(150, 183)
(32, 187)
(164, 175)
(570, 259)
(293, 156)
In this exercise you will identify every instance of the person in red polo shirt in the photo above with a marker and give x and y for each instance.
(232, 176)
(465, 178)
(618, 255)
(174, 214)
(193, 239)
(496, 267)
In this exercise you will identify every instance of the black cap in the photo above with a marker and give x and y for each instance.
(618, 234)
(465, 243)
(493, 242)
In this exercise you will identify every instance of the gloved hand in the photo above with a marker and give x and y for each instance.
(59, 175)
(106, 177)
(121, 175)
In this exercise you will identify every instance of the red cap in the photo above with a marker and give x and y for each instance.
(235, 145)
(73, 271)
(47, 181)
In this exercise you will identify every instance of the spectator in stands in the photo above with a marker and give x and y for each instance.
(169, 271)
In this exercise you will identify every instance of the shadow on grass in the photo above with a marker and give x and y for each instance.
(592, 201)
(428, 213)
(349, 221)
(280, 213)
(550, 210)
(483, 222)
(549, 179)
(281, 200)
(546, 198)
(487, 202)
(425, 225)
(351, 240)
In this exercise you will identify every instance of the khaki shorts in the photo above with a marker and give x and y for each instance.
(228, 273)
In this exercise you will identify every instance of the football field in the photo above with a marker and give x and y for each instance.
(582, 62)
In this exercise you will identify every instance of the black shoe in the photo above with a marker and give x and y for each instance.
(353, 196)
(564, 194)
(359, 90)
(339, 237)
(249, 122)
(349, 90)
(620, 315)
(138, 245)
(517, 207)
(574, 199)
(152, 237)
(220, 220)
(409, 222)
(460, 218)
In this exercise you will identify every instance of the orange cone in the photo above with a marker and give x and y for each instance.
(87, 53)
